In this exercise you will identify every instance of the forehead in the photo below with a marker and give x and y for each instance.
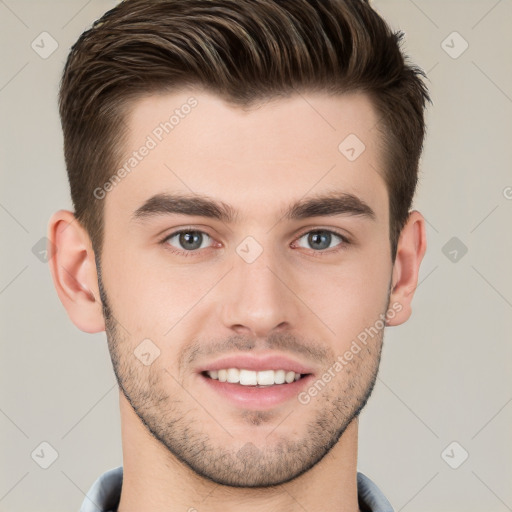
(275, 152)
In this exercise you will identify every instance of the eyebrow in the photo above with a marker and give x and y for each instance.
(196, 205)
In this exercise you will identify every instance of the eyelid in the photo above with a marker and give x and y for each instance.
(345, 241)
(334, 231)
(186, 230)
(344, 238)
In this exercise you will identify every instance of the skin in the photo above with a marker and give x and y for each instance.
(185, 446)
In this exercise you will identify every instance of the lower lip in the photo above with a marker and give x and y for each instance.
(253, 397)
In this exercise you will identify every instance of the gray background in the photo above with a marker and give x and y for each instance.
(445, 375)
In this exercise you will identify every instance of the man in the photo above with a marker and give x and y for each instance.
(242, 173)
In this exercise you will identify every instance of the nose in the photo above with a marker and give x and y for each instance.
(258, 296)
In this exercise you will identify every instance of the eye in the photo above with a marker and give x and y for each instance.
(321, 239)
(187, 240)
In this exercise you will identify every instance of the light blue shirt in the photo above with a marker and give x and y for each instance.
(105, 493)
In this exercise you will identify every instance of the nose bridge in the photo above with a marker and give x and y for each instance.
(256, 296)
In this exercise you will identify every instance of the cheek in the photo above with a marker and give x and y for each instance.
(149, 296)
(348, 298)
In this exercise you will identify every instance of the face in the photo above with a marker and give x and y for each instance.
(247, 240)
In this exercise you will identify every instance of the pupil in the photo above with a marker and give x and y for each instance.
(317, 237)
(191, 238)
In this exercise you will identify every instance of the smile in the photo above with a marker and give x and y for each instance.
(253, 378)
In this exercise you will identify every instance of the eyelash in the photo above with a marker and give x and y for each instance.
(342, 246)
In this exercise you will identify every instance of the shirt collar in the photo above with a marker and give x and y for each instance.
(105, 493)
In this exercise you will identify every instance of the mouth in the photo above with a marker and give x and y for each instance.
(255, 379)
(256, 390)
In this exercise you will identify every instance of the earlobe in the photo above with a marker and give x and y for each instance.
(410, 251)
(73, 269)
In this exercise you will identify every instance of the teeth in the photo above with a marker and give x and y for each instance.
(265, 378)
(279, 376)
(248, 378)
(252, 378)
(233, 375)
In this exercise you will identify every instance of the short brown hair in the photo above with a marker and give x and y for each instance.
(244, 51)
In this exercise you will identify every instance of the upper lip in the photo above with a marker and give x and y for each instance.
(257, 363)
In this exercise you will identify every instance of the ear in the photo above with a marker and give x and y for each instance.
(411, 248)
(73, 270)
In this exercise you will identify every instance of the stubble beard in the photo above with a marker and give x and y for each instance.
(168, 414)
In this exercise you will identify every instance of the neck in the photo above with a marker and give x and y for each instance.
(154, 479)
